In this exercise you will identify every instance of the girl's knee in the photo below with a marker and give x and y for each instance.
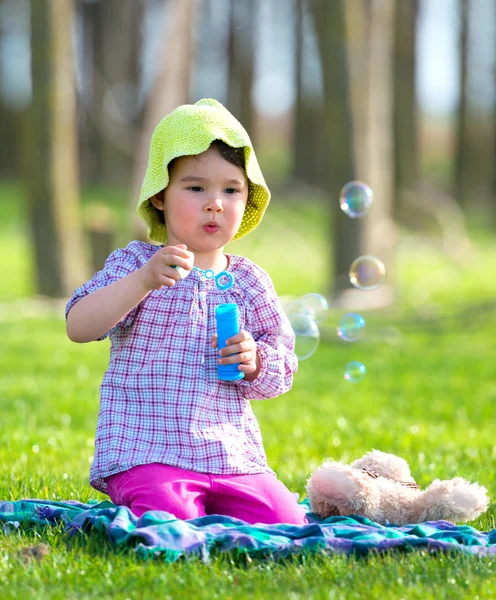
(141, 495)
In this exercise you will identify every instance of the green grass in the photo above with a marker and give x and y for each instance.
(429, 395)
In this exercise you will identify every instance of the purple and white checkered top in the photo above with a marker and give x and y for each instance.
(160, 399)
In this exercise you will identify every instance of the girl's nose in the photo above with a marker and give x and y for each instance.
(214, 204)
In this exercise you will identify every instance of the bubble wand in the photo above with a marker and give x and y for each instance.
(209, 274)
(227, 322)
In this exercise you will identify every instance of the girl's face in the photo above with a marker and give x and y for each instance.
(204, 202)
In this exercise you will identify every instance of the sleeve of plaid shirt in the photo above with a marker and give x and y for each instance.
(272, 332)
(120, 263)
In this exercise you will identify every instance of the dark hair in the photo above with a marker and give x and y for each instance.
(236, 156)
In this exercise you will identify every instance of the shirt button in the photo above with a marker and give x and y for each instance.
(202, 295)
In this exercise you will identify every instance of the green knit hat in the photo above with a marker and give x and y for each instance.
(189, 130)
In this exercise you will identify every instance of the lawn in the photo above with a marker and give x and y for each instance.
(429, 395)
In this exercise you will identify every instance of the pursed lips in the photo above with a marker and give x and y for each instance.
(211, 227)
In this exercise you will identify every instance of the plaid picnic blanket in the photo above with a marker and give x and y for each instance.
(158, 533)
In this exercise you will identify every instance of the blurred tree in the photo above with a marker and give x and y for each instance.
(355, 45)
(461, 175)
(9, 115)
(330, 26)
(112, 47)
(492, 171)
(406, 143)
(49, 150)
(376, 166)
(301, 132)
(170, 88)
(308, 143)
(90, 140)
(240, 52)
(209, 77)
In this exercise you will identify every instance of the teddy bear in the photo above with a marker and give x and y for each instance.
(379, 486)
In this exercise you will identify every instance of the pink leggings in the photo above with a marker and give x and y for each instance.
(259, 498)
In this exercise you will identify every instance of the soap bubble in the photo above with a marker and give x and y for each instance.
(355, 199)
(303, 315)
(354, 371)
(351, 327)
(313, 305)
(367, 272)
(295, 308)
(316, 305)
(307, 335)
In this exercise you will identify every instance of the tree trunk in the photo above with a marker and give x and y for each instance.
(376, 165)
(329, 21)
(241, 47)
(462, 155)
(117, 45)
(493, 161)
(406, 148)
(209, 78)
(90, 139)
(307, 140)
(9, 147)
(9, 115)
(299, 129)
(355, 44)
(49, 149)
(170, 89)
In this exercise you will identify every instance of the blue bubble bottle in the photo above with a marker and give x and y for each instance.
(227, 317)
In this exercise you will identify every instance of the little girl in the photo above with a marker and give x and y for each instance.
(171, 435)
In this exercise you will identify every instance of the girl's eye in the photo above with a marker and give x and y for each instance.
(231, 191)
(195, 188)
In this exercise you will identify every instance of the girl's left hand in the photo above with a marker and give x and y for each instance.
(241, 349)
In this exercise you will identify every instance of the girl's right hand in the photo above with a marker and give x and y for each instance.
(159, 271)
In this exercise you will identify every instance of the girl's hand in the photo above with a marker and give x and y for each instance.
(159, 271)
(241, 349)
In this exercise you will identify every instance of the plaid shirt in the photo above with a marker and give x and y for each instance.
(160, 399)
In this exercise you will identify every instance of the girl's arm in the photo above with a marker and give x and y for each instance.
(95, 314)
